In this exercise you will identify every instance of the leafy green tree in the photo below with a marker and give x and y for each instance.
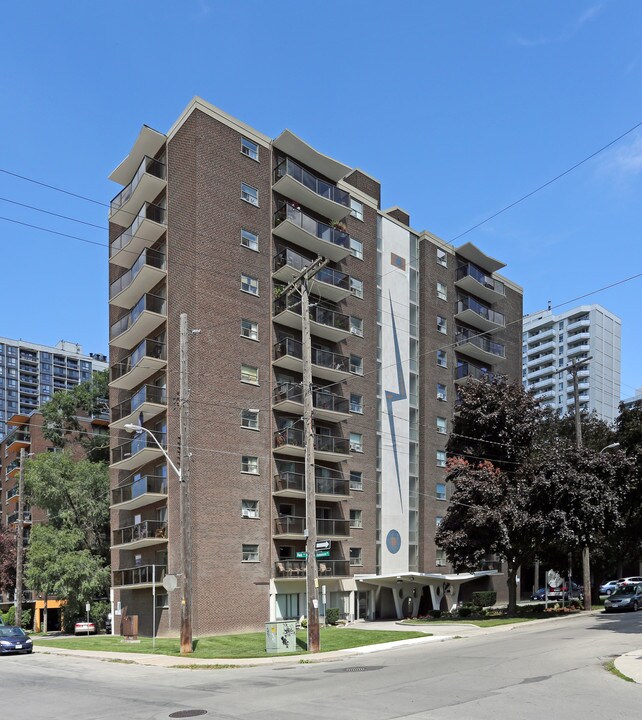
(7, 559)
(60, 414)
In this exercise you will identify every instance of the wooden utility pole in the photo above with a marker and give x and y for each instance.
(19, 539)
(311, 575)
(185, 511)
(573, 368)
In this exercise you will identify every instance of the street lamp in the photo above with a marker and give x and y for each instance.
(185, 526)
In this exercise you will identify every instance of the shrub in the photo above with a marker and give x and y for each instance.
(434, 614)
(484, 598)
(332, 616)
(464, 611)
(10, 617)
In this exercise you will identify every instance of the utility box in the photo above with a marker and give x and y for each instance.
(280, 636)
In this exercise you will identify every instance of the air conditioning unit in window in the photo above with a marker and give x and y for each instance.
(248, 513)
(441, 396)
(440, 563)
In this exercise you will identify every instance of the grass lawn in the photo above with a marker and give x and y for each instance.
(486, 622)
(247, 645)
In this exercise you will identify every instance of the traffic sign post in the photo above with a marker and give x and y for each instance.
(322, 545)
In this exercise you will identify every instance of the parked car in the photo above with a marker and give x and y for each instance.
(608, 587)
(539, 594)
(14, 640)
(83, 627)
(636, 580)
(626, 597)
(576, 592)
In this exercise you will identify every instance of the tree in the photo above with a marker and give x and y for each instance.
(596, 433)
(7, 559)
(61, 424)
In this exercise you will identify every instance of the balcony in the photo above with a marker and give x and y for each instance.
(292, 484)
(16, 440)
(293, 569)
(545, 383)
(143, 534)
(576, 337)
(13, 468)
(149, 313)
(328, 448)
(541, 347)
(324, 323)
(147, 228)
(293, 181)
(541, 335)
(328, 283)
(288, 354)
(546, 395)
(145, 404)
(143, 276)
(547, 358)
(577, 324)
(475, 281)
(145, 186)
(146, 360)
(465, 372)
(13, 518)
(288, 397)
(472, 312)
(546, 370)
(142, 491)
(300, 229)
(473, 254)
(12, 493)
(479, 347)
(143, 576)
(577, 349)
(291, 527)
(137, 452)
(289, 144)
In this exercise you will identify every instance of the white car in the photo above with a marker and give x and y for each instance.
(82, 627)
(609, 587)
(635, 580)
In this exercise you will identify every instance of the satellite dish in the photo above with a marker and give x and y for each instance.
(553, 579)
(169, 582)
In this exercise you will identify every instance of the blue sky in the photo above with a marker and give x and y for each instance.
(457, 108)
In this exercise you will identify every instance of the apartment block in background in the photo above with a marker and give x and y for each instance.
(30, 374)
(214, 220)
(552, 341)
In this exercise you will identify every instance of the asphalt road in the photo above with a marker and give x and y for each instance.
(531, 672)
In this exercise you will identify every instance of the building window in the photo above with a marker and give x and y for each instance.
(442, 360)
(250, 508)
(356, 326)
(442, 392)
(249, 240)
(356, 364)
(249, 464)
(162, 600)
(440, 491)
(356, 480)
(356, 442)
(356, 403)
(438, 521)
(356, 520)
(442, 291)
(442, 257)
(249, 148)
(356, 287)
(442, 325)
(249, 330)
(249, 374)
(356, 209)
(251, 553)
(355, 556)
(249, 194)
(356, 248)
(249, 285)
(250, 419)
(441, 458)
(442, 425)
(440, 558)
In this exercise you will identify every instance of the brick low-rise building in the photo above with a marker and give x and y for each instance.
(214, 219)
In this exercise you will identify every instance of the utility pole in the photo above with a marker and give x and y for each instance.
(311, 576)
(185, 510)
(19, 539)
(573, 368)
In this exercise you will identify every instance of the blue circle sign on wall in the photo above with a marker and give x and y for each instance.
(393, 541)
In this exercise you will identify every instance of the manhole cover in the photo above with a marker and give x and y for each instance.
(187, 713)
(356, 668)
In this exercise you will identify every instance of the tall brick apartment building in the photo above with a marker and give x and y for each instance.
(213, 220)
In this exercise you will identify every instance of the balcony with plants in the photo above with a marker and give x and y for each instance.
(140, 535)
(329, 240)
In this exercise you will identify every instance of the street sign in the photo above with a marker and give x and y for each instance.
(170, 582)
(301, 555)
(322, 554)
(322, 545)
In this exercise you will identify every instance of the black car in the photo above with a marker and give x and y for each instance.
(14, 640)
(625, 597)
(539, 594)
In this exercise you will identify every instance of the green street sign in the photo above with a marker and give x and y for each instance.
(301, 555)
(322, 554)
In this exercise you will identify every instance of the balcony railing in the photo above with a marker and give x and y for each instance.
(13, 492)
(323, 358)
(322, 443)
(138, 443)
(147, 348)
(154, 484)
(287, 166)
(295, 482)
(489, 282)
(313, 227)
(469, 303)
(148, 166)
(468, 370)
(150, 303)
(325, 568)
(13, 518)
(329, 276)
(148, 258)
(483, 343)
(17, 436)
(318, 314)
(292, 525)
(13, 465)
(320, 399)
(156, 529)
(146, 394)
(142, 575)
(289, 525)
(155, 213)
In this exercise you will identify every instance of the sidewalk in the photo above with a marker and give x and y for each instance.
(631, 665)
